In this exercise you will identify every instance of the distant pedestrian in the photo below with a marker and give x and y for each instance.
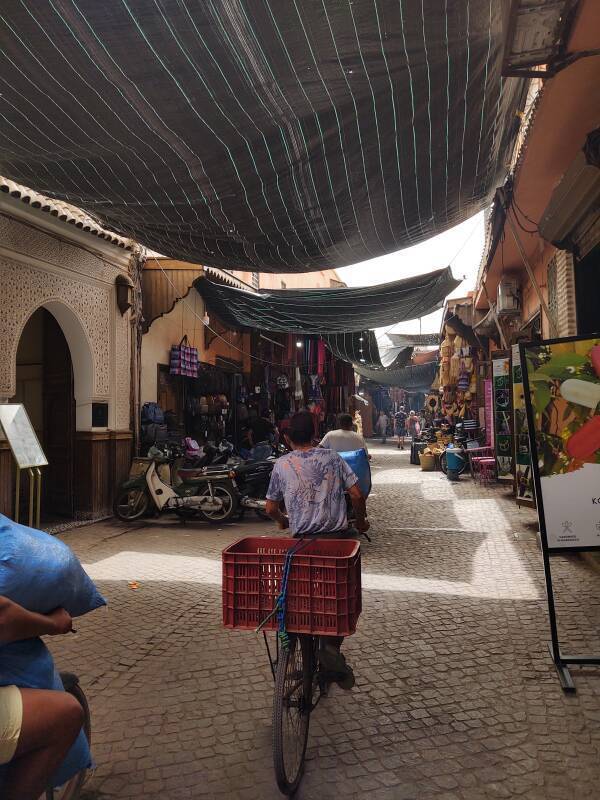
(382, 426)
(412, 425)
(358, 423)
(400, 426)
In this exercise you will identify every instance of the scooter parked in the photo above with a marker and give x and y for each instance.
(188, 493)
(251, 479)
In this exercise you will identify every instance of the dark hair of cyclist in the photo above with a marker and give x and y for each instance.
(345, 421)
(302, 429)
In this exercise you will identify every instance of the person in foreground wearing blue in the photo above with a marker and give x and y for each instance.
(37, 727)
(312, 482)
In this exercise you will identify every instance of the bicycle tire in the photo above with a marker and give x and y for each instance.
(72, 788)
(292, 704)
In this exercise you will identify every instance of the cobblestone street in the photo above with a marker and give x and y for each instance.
(456, 696)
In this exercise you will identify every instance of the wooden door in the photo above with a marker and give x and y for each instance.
(59, 421)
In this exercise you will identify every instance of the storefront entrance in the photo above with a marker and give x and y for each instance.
(45, 387)
(587, 292)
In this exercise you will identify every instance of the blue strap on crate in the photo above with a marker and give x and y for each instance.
(279, 608)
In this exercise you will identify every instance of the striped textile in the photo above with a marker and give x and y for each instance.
(254, 134)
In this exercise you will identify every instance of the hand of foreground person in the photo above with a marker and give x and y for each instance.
(363, 525)
(61, 622)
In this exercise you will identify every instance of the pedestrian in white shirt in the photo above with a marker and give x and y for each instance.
(343, 439)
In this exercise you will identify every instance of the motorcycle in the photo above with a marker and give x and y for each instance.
(205, 493)
(251, 480)
(197, 457)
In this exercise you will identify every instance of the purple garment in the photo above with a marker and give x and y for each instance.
(312, 483)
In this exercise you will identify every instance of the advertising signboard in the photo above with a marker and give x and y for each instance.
(502, 412)
(561, 378)
(522, 455)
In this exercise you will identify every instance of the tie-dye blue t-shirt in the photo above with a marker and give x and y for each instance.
(312, 484)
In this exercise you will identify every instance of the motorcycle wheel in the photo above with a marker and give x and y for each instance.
(228, 497)
(131, 504)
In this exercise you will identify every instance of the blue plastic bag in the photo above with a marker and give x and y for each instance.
(40, 573)
(29, 664)
(358, 461)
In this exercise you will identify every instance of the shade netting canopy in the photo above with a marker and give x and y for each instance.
(259, 135)
(328, 311)
(413, 378)
(361, 347)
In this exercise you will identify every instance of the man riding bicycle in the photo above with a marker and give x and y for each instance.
(312, 482)
(37, 727)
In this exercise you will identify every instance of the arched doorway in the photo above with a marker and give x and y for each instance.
(44, 374)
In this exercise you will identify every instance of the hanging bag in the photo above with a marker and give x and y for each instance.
(184, 359)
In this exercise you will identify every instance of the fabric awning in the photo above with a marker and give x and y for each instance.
(361, 348)
(414, 378)
(327, 311)
(414, 339)
(264, 136)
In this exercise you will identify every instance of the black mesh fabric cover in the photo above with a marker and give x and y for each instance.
(255, 134)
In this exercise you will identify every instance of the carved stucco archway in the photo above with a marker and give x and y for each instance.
(82, 311)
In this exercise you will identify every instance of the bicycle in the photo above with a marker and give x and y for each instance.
(300, 684)
(72, 788)
(256, 572)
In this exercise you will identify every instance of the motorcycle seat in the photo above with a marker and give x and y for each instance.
(253, 466)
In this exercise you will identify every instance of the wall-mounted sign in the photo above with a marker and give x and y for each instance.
(522, 455)
(21, 436)
(563, 380)
(502, 412)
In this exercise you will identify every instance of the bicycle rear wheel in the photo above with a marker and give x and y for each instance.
(292, 705)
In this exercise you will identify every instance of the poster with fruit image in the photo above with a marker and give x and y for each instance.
(523, 471)
(562, 394)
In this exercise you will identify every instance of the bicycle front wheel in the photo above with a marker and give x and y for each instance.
(292, 705)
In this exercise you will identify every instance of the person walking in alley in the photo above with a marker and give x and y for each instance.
(344, 438)
(382, 426)
(400, 426)
(312, 483)
(412, 425)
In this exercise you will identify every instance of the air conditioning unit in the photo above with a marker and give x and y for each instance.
(508, 297)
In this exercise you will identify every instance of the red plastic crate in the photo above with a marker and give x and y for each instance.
(324, 589)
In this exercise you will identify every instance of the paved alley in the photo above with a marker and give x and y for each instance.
(456, 696)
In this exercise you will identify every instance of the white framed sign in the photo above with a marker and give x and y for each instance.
(562, 380)
(21, 436)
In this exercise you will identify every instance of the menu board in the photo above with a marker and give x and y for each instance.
(523, 471)
(562, 382)
(502, 432)
(21, 437)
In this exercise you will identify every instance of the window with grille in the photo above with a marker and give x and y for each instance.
(553, 290)
(255, 280)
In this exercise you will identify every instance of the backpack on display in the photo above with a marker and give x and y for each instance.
(152, 412)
